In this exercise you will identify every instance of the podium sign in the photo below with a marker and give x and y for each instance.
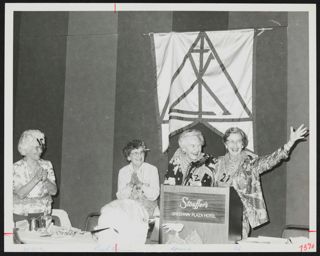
(199, 215)
(194, 207)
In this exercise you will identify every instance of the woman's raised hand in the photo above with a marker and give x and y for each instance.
(41, 174)
(38, 175)
(135, 179)
(298, 134)
(44, 174)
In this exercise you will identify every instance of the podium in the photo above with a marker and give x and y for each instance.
(200, 215)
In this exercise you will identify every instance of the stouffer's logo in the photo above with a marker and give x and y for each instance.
(194, 204)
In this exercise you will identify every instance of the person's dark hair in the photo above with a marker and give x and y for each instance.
(134, 144)
(236, 130)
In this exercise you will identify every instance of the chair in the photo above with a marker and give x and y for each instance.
(16, 238)
(154, 227)
(295, 231)
(91, 221)
(60, 218)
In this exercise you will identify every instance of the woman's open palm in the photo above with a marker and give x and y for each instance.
(299, 133)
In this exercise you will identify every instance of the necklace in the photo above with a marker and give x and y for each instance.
(228, 168)
(232, 162)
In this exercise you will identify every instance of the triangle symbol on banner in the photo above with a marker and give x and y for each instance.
(203, 52)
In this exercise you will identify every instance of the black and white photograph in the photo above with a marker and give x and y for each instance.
(135, 127)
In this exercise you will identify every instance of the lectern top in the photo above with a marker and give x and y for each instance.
(193, 189)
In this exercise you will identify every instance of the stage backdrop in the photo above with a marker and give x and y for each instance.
(39, 80)
(87, 80)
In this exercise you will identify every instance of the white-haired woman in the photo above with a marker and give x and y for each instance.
(33, 178)
(189, 166)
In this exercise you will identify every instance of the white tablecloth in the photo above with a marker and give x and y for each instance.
(34, 237)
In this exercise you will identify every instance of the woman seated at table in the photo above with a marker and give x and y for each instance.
(139, 180)
(33, 178)
(189, 166)
(242, 171)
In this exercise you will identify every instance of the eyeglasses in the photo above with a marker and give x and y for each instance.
(137, 153)
(234, 142)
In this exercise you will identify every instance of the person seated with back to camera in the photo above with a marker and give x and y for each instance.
(189, 166)
(33, 178)
(139, 180)
(122, 222)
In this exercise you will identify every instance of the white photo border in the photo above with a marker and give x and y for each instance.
(10, 8)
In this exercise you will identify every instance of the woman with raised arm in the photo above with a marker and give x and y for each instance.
(242, 171)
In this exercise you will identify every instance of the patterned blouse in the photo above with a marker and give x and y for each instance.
(188, 173)
(246, 181)
(39, 199)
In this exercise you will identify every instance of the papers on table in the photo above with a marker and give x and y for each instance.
(299, 240)
(265, 240)
(274, 240)
(58, 236)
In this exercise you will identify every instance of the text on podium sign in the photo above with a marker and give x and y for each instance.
(194, 207)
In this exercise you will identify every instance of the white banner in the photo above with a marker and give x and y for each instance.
(204, 77)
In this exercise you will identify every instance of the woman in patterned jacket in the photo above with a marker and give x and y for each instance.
(242, 171)
(189, 166)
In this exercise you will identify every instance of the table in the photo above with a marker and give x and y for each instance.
(264, 240)
(33, 237)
